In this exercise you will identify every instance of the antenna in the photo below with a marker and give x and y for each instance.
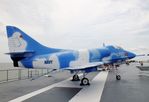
(103, 44)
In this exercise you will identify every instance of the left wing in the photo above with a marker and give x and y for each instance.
(85, 66)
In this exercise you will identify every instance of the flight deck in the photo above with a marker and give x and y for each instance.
(133, 87)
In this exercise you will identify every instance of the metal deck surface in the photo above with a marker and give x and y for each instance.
(133, 87)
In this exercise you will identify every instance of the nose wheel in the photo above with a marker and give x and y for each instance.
(118, 77)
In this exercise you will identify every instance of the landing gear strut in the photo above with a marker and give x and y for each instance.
(84, 80)
(118, 77)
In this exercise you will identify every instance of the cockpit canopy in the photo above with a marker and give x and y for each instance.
(111, 47)
(118, 47)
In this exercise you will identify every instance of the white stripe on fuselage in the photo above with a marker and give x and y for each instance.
(39, 61)
(83, 58)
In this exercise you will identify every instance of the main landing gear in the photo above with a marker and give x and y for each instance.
(84, 80)
(75, 78)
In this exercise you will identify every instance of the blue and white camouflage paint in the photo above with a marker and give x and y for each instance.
(28, 53)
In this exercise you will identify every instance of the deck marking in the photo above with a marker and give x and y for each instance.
(34, 93)
(93, 92)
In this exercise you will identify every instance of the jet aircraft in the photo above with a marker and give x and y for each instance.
(28, 53)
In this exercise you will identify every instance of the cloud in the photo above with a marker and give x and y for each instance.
(141, 49)
(2, 30)
(80, 23)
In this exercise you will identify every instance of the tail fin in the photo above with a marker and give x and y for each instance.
(21, 45)
(18, 41)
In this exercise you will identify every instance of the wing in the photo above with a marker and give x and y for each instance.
(85, 66)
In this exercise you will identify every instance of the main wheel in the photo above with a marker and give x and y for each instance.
(75, 78)
(118, 77)
(85, 81)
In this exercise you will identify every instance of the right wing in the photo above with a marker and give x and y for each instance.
(85, 66)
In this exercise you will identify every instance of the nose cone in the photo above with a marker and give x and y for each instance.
(131, 55)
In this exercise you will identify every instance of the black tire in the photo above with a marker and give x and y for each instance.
(85, 81)
(103, 69)
(75, 78)
(118, 77)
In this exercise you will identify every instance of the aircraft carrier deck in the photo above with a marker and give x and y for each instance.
(133, 87)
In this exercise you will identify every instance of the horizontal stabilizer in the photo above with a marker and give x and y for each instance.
(21, 54)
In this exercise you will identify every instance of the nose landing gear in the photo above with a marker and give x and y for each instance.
(118, 77)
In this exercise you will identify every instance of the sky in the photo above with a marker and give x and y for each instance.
(78, 24)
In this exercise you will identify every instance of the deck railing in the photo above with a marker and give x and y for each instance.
(19, 74)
